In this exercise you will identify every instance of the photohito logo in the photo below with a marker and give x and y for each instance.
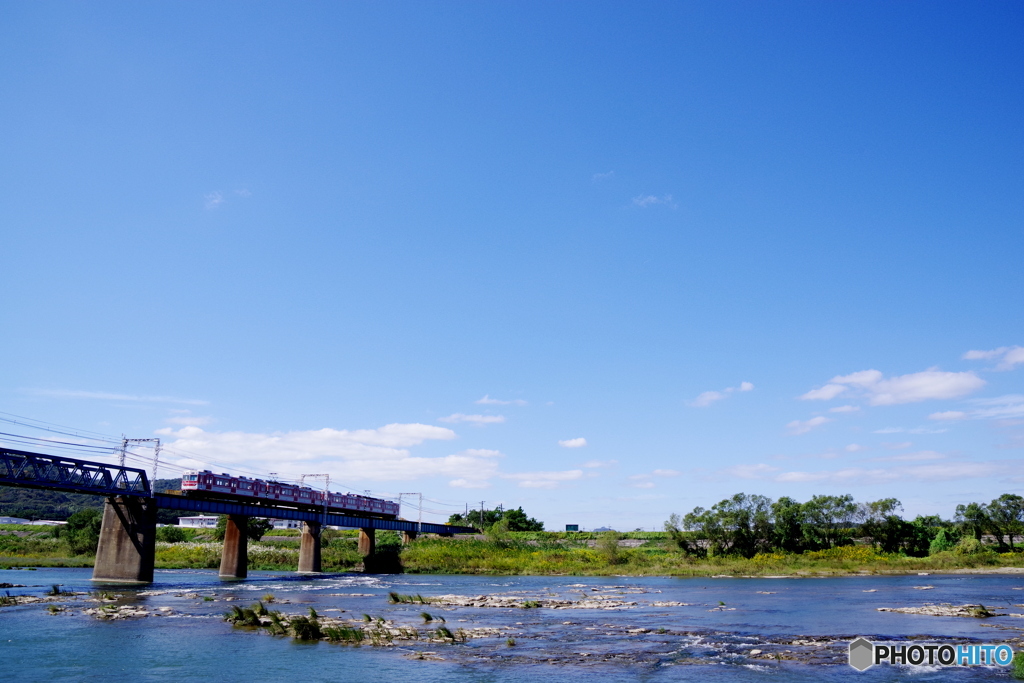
(865, 654)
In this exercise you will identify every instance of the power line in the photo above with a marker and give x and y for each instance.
(76, 432)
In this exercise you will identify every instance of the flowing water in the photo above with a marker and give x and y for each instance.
(800, 626)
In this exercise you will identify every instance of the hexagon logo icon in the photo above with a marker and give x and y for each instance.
(862, 654)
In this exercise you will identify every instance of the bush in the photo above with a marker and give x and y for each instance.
(171, 534)
(945, 540)
(83, 531)
(1017, 669)
(608, 547)
(970, 546)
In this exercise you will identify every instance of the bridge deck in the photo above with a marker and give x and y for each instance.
(39, 471)
(223, 507)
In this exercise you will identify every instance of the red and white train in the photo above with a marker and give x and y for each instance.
(226, 485)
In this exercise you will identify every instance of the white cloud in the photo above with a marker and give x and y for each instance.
(598, 177)
(473, 419)
(666, 473)
(945, 470)
(1000, 408)
(642, 481)
(913, 457)
(543, 480)
(212, 200)
(600, 463)
(853, 448)
(579, 442)
(1009, 356)
(189, 420)
(803, 426)
(758, 471)
(709, 397)
(469, 483)
(487, 400)
(919, 386)
(243, 193)
(105, 396)
(948, 415)
(380, 454)
(843, 409)
(903, 430)
(825, 393)
(645, 201)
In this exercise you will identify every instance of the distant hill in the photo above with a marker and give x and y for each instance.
(36, 504)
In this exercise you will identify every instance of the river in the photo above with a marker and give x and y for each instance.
(726, 629)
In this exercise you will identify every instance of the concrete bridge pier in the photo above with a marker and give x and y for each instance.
(234, 560)
(127, 547)
(309, 549)
(367, 541)
(408, 537)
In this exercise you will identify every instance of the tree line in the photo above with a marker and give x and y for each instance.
(747, 524)
(514, 519)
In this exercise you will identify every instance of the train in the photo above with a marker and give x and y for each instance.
(228, 486)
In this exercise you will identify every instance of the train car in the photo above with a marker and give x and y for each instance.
(225, 485)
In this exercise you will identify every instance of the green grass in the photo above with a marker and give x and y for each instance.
(469, 556)
(527, 553)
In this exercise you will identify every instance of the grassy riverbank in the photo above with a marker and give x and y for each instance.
(527, 553)
(448, 556)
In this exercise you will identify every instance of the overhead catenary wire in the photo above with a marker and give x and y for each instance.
(116, 444)
(81, 433)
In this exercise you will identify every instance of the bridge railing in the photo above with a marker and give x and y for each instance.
(35, 470)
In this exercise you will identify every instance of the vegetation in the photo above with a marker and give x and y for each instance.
(515, 520)
(744, 535)
(1017, 666)
(82, 532)
(748, 525)
(255, 528)
(59, 506)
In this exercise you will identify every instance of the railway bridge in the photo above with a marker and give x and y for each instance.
(127, 547)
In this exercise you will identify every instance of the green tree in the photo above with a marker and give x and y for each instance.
(827, 521)
(680, 540)
(945, 540)
(1006, 519)
(788, 518)
(257, 528)
(83, 531)
(888, 531)
(517, 519)
(972, 519)
(607, 546)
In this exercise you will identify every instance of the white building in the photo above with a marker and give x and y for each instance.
(13, 520)
(287, 524)
(200, 522)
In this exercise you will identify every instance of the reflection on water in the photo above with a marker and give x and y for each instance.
(665, 629)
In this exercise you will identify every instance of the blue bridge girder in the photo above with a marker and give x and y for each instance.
(224, 507)
(57, 473)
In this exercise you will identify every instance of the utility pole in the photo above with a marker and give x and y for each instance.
(327, 491)
(156, 451)
(407, 493)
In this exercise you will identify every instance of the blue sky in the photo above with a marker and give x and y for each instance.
(504, 251)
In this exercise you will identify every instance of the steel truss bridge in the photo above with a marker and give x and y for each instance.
(56, 473)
